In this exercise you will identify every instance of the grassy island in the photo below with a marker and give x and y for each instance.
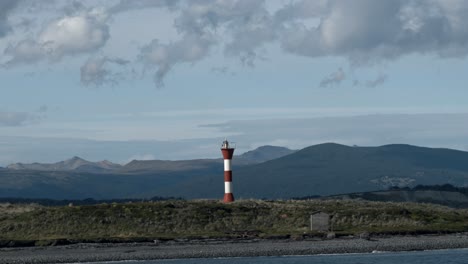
(204, 219)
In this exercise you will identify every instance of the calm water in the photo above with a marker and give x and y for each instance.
(457, 256)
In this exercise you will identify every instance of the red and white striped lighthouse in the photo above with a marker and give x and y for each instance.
(228, 152)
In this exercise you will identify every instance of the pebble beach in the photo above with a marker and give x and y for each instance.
(212, 248)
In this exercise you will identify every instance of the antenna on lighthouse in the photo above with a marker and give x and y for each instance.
(228, 152)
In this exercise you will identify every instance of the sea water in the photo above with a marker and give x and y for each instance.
(452, 256)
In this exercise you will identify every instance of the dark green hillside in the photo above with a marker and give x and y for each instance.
(433, 158)
(185, 219)
(73, 185)
(331, 169)
(165, 166)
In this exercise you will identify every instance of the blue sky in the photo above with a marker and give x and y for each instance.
(123, 80)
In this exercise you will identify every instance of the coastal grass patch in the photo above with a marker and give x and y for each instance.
(179, 219)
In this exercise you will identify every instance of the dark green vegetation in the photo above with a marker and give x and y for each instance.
(205, 218)
(452, 199)
(88, 201)
(325, 169)
(448, 195)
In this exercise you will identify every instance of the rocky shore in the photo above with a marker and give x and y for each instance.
(211, 248)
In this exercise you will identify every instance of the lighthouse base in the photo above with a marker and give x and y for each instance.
(228, 198)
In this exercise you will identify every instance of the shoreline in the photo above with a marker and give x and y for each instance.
(97, 252)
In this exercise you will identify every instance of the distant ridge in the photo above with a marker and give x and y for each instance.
(263, 153)
(74, 164)
(155, 166)
(257, 155)
(78, 164)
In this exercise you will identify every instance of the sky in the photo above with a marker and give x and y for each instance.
(170, 79)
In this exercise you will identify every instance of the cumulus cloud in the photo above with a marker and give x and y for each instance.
(96, 72)
(25, 51)
(72, 35)
(246, 24)
(367, 31)
(203, 15)
(201, 24)
(6, 6)
(351, 29)
(191, 48)
(334, 78)
(66, 36)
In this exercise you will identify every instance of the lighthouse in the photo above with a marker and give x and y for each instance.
(228, 152)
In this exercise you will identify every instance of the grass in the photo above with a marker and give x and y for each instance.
(208, 218)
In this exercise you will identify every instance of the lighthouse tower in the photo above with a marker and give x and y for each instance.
(228, 152)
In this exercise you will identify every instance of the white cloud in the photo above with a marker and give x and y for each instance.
(72, 35)
(67, 36)
(367, 31)
(246, 24)
(25, 51)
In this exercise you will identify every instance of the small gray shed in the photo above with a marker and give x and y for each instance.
(319, 221)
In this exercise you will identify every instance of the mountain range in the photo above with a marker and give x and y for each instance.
(267, 172)
(73, 164)
(77, 164)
